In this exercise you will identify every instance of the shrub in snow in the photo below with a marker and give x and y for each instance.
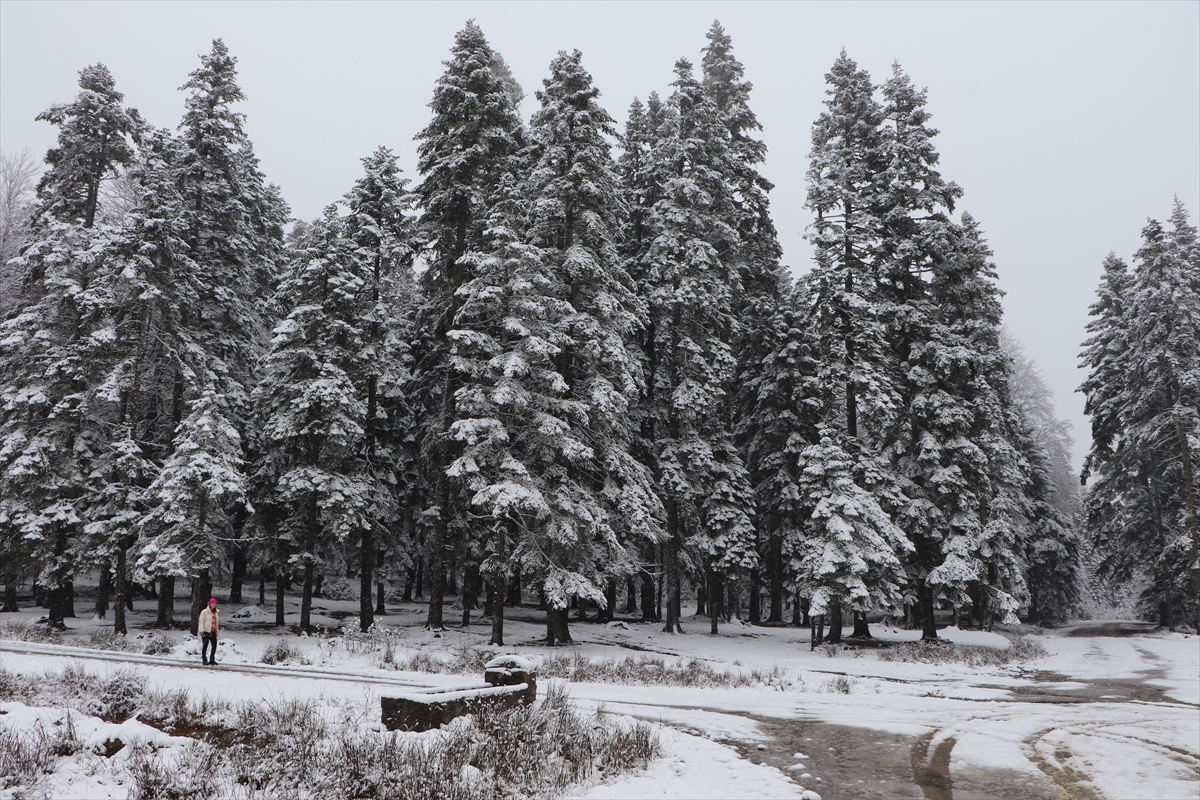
(338, 589)
(107, 640)
(159, 644)
(25, 756)
(655, 670)
(1023, 649)
(22, 631)
(279, 652)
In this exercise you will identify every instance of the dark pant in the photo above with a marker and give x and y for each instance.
(206, 640)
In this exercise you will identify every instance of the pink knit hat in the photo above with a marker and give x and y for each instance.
(212, 601)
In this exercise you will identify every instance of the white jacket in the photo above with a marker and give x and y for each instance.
(207, 618)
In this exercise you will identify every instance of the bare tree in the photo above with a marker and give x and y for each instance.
(18, 179)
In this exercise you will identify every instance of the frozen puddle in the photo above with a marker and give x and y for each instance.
(862, 763)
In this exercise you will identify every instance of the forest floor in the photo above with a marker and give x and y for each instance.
(1094, 710)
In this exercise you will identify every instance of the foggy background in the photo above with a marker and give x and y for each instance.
(1067, 124)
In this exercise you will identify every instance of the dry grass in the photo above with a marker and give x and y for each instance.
(659, 671)
(1024, 648)
(303, 748)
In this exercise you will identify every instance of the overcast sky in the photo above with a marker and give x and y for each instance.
(1068, 124)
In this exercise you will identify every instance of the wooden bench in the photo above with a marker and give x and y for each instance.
(508, 681)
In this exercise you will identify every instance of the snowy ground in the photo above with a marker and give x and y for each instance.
(1098, 716)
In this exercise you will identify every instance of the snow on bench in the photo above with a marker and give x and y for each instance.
(508, 682)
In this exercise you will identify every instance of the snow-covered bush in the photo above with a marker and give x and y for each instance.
(1024, 648)
(23, 631)
(299, 747)
(279, 652)
(107, 640)
(25, 756)
(338, 589)
(655, 671)
(158, 644)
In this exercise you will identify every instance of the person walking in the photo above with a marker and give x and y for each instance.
(207, 630)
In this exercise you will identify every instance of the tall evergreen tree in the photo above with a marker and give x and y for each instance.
(763, 280)
(310, 409)
(1148, 466)
(383, 241)
(97, 135)
(575, 223)
(782, 407)
(691, 292)
(463, 153)
(55, 350)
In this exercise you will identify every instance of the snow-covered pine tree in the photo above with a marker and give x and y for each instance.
(463, 153)
(914, 203)
(849, 322)
(514, 423)
(967, 512)
(97, 135)
(194, 488)
(312, 413)
(850, 551)
(1105, 354)
(1054, 553)
(384, 242)
(54, 350)
(575, 222)
(640, 189)
(1157, 528)
(781, 404)
(763, 280)
(147, 264)
(691, 292)
(235, 241)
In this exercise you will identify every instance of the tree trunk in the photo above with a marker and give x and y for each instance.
(380, 586)
(499, 582)
(166, 602)
(10, 597)
(558, 628)
(630, 595)
(775, 565)
(755, 597)
(648, 592)
(262, 587)
(610, 595)
(440, 539)
(280, 586)
(201, 591)
(925, 599)
(672, 569)
(103, 589)
(470, 591)
(714, 601)
(702, 595)
(310, 564)
(237, 575)
(835, 623)
(121, 594)
(514, 589)
(817, 631)
(366, 580)
(69, 600)
(861, 630)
